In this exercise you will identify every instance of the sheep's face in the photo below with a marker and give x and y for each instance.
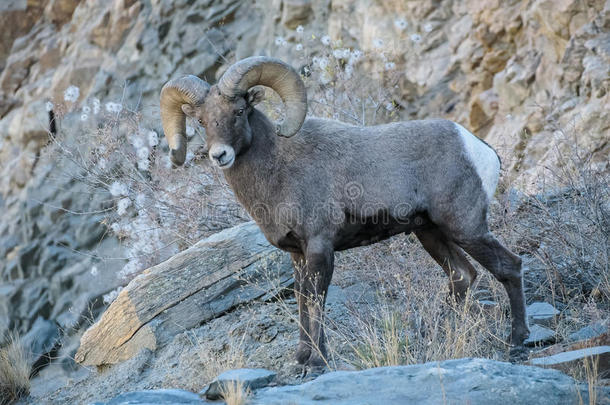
(226, 124)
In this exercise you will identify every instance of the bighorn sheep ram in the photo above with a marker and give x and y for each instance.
(317, 186)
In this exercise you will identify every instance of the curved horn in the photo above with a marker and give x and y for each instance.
(273, 73)
(185, 90)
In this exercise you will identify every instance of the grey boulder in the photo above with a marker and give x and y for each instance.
(250, 378)
(541, 313)
(590, 331)
(463, 381)
(539, 335)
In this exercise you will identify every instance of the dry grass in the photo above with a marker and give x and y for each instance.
(411, 318)
(215, 361)
(14, 371)
(588, 371)
(234, 393)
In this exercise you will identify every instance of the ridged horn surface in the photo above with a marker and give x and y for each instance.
(184, 90)
(275, 74)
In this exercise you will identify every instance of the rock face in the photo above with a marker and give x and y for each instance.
(475, 381)
(227, 269)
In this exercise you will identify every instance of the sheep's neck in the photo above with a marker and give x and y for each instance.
(255, 178)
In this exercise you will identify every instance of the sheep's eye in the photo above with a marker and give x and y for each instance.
(200, 121)
(240, 111)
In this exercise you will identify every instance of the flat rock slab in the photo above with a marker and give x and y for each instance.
(155, 397)
(218, 273)
(566, 360)
(249, 378)
(541, 313)
(590, 331)
(463, 381)
(539, 335)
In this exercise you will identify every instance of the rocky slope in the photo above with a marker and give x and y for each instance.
(520, 74)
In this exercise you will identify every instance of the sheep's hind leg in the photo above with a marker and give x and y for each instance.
(451, 258)
(304, 347)
(319, 271)
(506, 267)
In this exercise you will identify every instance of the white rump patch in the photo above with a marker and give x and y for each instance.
(483, 158)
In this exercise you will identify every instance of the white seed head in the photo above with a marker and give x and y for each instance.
(122, 206)
(142, 153)
(95, 103)
(322, 63)
(400, 23)
(113, 107)
(390, 66)
(153, 138)
(143, 165)
(71, 94)
(117, 189)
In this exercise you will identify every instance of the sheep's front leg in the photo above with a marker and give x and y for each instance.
(319, 259)
(304, 347)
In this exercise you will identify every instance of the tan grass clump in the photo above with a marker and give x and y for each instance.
(14, 371)
(234, 393)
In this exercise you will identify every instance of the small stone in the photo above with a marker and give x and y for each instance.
(250, 378)
(589, 332)
(541, 313)
(539, 335)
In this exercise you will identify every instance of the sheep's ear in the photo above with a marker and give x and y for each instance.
(188, 110)
(255, 95)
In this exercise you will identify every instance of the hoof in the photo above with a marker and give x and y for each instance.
(303, 353)
(316, 361)
(518, 354)
(518, 337)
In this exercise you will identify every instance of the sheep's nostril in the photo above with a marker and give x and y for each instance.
(218, 156)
